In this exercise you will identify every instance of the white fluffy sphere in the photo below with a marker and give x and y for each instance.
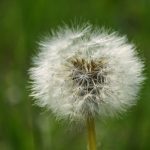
(83, 72)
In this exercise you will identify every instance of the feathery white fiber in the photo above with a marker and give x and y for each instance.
(82, 72)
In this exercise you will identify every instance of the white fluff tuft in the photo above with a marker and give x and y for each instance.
(85, 72)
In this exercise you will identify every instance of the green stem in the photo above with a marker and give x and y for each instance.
(91, 134)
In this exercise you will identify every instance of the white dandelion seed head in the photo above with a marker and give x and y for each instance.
(80, 73)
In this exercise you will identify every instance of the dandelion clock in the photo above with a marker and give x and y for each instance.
(81, 73)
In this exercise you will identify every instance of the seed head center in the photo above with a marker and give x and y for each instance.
(88, 75)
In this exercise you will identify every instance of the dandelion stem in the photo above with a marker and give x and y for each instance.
(91, 134)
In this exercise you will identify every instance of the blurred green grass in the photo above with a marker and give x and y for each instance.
(22, 23)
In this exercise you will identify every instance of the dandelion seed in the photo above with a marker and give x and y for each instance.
(83, 73)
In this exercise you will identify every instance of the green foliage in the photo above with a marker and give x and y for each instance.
(22, 23)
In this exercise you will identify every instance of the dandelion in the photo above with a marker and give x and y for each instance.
(81, 73)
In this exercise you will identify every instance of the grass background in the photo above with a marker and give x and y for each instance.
(24, 126)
